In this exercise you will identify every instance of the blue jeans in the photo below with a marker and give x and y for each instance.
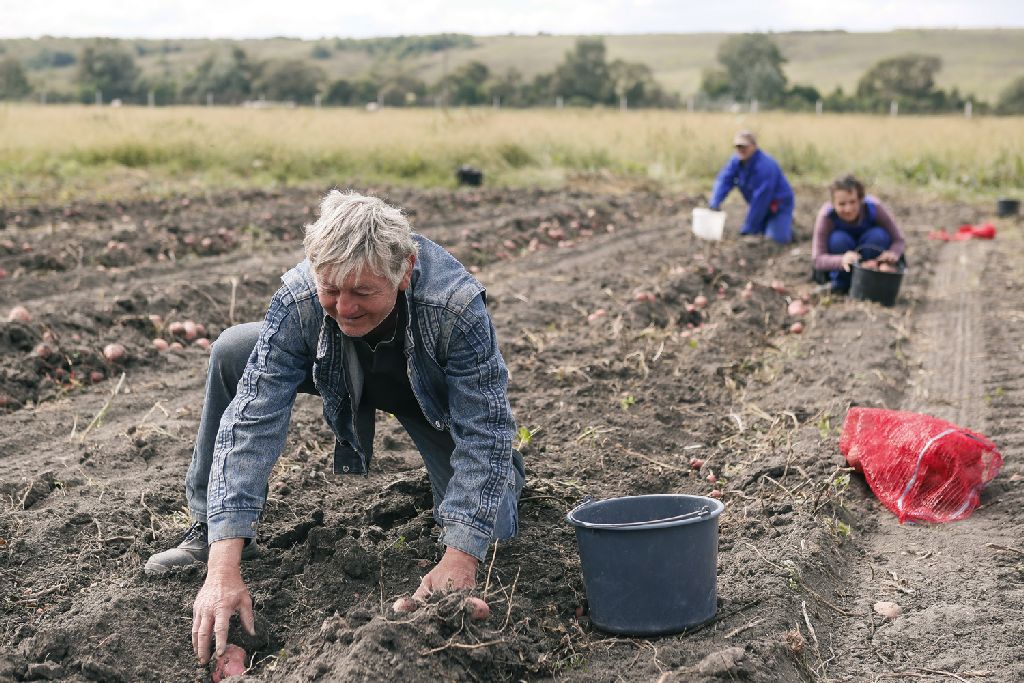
(228, 358)
(869, 244)
(778, 225)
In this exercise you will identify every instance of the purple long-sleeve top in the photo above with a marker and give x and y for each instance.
(871, 216)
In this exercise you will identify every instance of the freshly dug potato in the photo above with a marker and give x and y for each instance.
(231, 663)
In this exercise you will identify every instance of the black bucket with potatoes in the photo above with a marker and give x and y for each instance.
(876, 285)
(649, 562)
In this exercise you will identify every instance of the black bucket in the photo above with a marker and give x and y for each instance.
(649, 562)
(1007, 207)
(876, 285)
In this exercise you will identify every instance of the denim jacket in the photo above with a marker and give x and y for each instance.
(455, 369)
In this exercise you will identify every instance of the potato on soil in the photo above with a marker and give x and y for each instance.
(19, 314)
(115, 353)
(796, 328)
(231, 663)
(476, 609)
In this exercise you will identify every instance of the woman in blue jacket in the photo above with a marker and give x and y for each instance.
(762, 183)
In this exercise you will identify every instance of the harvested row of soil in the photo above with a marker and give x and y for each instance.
(632, 351)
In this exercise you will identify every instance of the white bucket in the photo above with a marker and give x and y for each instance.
(708, 224)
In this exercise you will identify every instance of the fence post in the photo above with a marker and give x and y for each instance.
(690, 104)
(151, 98)
(968, 108)
(819, 107)
(317, 100)
(753, 106)
(209, 99)
(496, 101)
(894, 108)
(623, 103)
(558, 102)
(42, 98)
(99, 98)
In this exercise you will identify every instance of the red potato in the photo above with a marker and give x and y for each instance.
(476, 609)
(797, 308)
(3, 273)
(190, 330)
(115, 353)
(886, 268)
(19, 314)
(779, 286)
(869, 265)
(175, 346)
(644, 296)
(231, 663)
(696, 463)
(596, 315)
(712, 479)
(796, 328)
(700, 301)
(176, 329)
(203, 342)
(715, 493)
(160, 345)
(96, 376)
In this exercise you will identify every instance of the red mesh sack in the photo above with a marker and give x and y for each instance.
(922, 468)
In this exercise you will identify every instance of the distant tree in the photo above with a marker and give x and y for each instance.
(13, 83)
(163, 87)
(1011, 100)
(801, 98)
(230, 81)
(320, 51)
(635, 82)
(401, 90)
(583, 77)
(753, 67)
(47, 59)
(466, 85)
(340, 93)
(508, 88)
(292, 80)
(906, 77)
(715, 83)
(104, 66)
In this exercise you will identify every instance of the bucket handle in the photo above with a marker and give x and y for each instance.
(703, 512)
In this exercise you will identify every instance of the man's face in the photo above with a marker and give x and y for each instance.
(362, 300)
(745, 150)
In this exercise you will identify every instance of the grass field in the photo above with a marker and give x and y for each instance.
(59, 153)
(982, 61)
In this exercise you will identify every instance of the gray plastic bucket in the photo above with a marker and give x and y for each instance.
(649, 562)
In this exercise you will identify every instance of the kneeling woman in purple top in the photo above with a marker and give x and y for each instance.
(850, 228)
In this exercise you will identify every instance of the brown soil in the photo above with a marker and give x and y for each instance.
(618, 403)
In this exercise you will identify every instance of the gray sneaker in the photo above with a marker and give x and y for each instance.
(193, 548)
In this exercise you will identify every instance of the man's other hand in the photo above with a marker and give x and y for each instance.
(455, 571)
(222, 595)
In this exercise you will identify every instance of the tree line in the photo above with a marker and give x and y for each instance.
(751, 69)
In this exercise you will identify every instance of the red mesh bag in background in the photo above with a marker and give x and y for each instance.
(922, 468)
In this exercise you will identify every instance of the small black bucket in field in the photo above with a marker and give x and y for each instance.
(649, 562)
(467, 175)
(1007, 207)
(876, 285)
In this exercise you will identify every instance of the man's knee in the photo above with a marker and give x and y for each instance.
(231, 351)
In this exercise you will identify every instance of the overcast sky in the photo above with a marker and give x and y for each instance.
(317, 18)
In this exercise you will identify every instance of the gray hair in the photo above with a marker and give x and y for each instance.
(356, 231)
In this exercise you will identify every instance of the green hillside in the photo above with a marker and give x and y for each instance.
(982, 62)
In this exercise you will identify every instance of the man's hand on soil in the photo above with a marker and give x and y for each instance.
(455, 571)
(222, 595)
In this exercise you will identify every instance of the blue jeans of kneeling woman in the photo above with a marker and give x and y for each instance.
(869, 244)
